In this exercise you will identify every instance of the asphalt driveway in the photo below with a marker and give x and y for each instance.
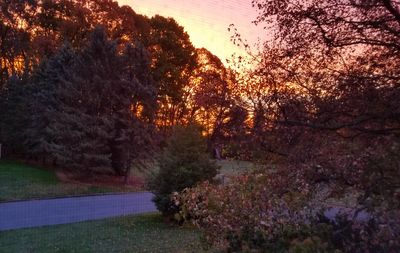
(35, 213)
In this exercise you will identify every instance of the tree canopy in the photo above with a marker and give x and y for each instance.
(109, 68)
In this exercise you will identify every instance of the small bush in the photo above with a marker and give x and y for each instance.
(183, 164)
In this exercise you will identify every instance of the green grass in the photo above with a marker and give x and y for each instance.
(19, 182)
(144, 233)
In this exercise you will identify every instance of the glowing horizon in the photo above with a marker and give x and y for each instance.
(206, 21)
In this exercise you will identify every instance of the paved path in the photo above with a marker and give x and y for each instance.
(35, 213)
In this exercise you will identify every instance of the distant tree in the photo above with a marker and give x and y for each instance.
(34, 30)
(14, 40)
(174, 59)
(213, 101)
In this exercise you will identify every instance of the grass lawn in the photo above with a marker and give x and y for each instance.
(236, 167)
(19, 181)
(144, 233)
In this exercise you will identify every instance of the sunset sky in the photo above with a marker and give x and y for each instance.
(206, 21)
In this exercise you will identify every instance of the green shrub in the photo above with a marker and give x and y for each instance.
(183, 163)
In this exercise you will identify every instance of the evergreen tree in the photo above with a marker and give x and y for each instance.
(184, 163)
(90, 110)
(87, 103)
(13, 116)
(132, 115)
(42, 139)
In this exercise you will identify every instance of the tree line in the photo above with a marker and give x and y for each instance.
(88, 84)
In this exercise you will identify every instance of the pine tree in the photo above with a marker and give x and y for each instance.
(184, 163)
(132, 115)
(91, 109)
(13, 116)
(42, 139)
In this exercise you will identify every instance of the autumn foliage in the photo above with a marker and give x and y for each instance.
(281, 212)
(323, 99)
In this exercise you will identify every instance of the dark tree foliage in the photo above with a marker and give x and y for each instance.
(91, 110)
(43, 102)
(47, 25)
(338, 56)
(13, 116)
(31, 30)
(183, 163)
(328, 106)
(341, 63)
(86, 99)
(133, 116)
